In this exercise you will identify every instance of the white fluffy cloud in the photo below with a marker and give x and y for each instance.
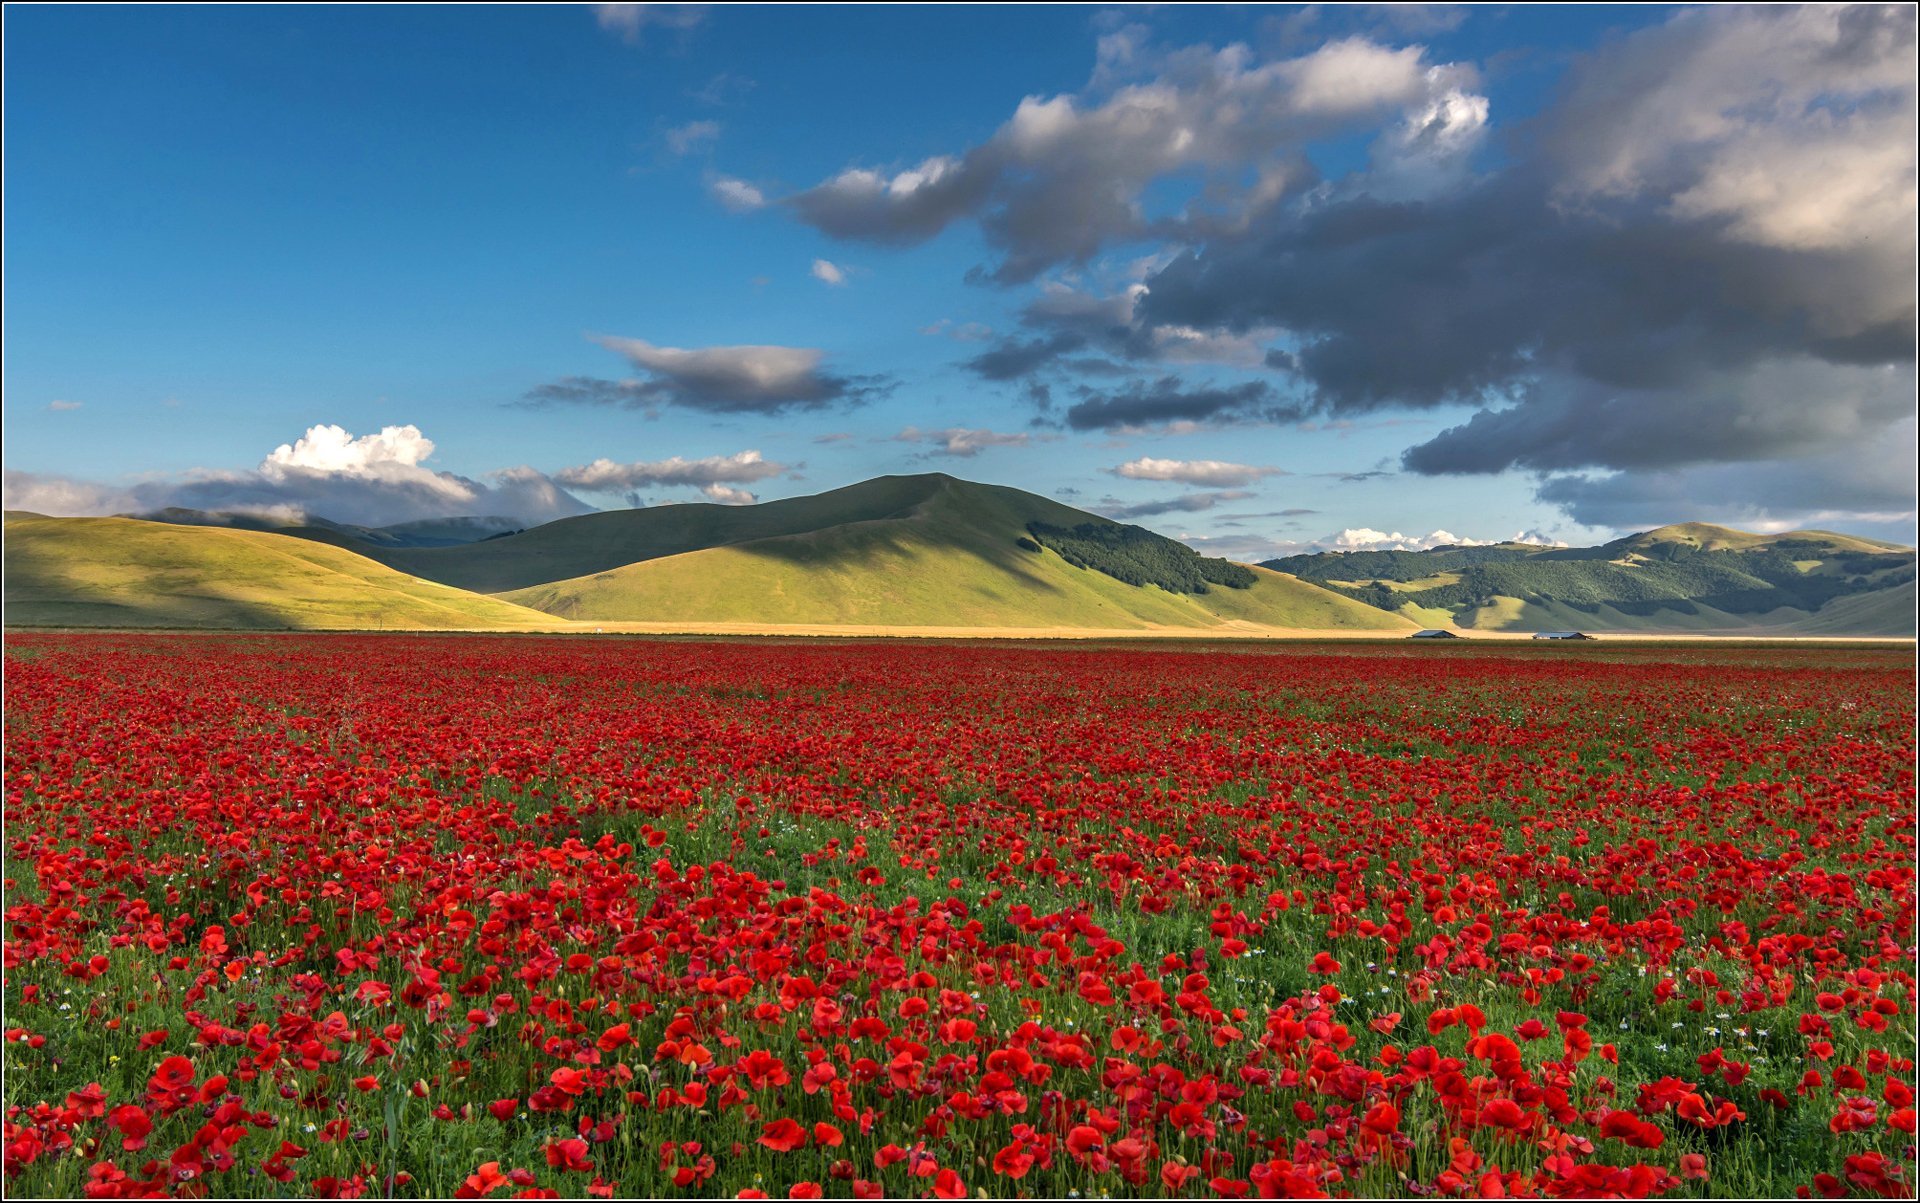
(736, 195)
(371, 480)
(629, 21)
(1795, 125)
(728, 495)
(328, 448)
(1066, 175)
(1365, 538)
(1209, 472)
(828, 273)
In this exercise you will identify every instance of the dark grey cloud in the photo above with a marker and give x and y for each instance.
(1063, 321)
(1703, 253)
(1869, 485)
(1014, 358)
(1793, 407)
(735, 379)
(1169, 401)
(1188, 503)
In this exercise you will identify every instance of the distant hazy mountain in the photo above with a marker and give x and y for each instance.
(1688, 577)
(426, 532)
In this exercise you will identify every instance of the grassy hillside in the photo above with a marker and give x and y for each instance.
(125, 572)
(952, 557)
(1687, 577)
(593, 543)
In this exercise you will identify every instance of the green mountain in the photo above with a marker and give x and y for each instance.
(920, 551)
(897, 551)
(1688, 577)
(122, 572)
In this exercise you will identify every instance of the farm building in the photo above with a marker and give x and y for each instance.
(1433, 635)
(1561, 635)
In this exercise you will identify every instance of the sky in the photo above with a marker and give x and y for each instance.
(1260, 278)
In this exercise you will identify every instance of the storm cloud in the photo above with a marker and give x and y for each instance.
(1168, 401)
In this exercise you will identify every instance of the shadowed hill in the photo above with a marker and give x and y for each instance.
(593, 543)
(123, 572)
(943, 553)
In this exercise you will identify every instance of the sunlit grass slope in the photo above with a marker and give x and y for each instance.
(945, 555)
(594, 543)
(122, 572)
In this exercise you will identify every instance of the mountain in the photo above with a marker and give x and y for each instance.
(123, 572)
(923, 551)
(1688, 577)
(424, 532)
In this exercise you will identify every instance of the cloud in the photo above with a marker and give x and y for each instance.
(1211, 472)
(1014, 358)
(606, 476)
(372, 480)
(330, 449)
(728, 496)
(723, 90)
(691, 137)
(736, 195)
(64, 407)
(1700, 252)
(960, 441)
(739, 379)
(1189, 503)
(1869, 485)
(1143, 405)
(1788, 408)
(1068, 174)
(1365, 538)
(963, 332)
(1069, 320)
(630, 20)
(1703, 253)
(827, 273)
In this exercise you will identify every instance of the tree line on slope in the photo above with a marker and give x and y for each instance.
(1137, 556)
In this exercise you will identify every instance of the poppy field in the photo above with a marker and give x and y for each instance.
(527, 917)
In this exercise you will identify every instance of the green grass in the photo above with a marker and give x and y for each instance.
(594, 543)
(952, 560)
(121, 572)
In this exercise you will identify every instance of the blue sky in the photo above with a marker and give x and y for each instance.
(227, 226)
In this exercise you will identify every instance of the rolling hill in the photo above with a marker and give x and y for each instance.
(923, 551)
(123, 572)
(1691, 577)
